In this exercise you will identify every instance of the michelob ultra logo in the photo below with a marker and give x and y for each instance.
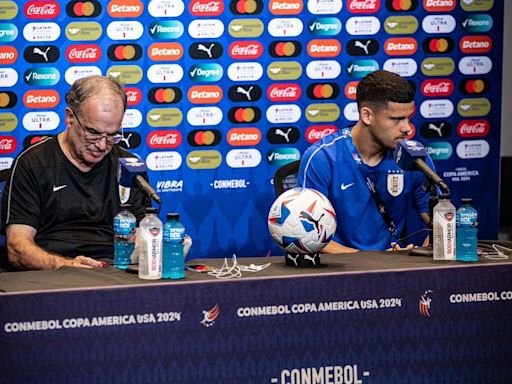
(165, 95)
(41, 121)
(209, 159)
(41, 98)
(474, 86)
(83, 31)
(245, 7)
(123, 9)
(79, 8)
(285, 7)
(323, 91)
(363, 6)
(126, 74)
(41, 31)
(205, 94)
(437, 66)
(124, 52)
(480, 106)
(439, 150)
(477, 23)
(401, 46)
(282, 156)
(206, 72)
(476, 5)
(201, 116)
(401, 25)
(325, 26)
(41, 76)
(83, 53)
(164, 117)
(361, 68)
(165, 51)
(473, 128)
(8, 55)
(8, 99)
(475, 65)
(8, 76)
(166, 8)
(438, 45)
(8, 10)
(125, 30)
(324, 48)
(243, 158)
(239, 28)
(165, 73)
(322, 113)
(206, 7)
(438, 24)
(323, 69)
(204, 138)
(8, 122)
(439, 5)
(284, 70)
(243, 137)
(206, 29)
(166, 29)
(475, 44)
(285, 27)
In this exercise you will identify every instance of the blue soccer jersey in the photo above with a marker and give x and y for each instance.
(333, 167)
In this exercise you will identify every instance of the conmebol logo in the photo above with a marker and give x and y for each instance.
(206, 8)
(41, 9)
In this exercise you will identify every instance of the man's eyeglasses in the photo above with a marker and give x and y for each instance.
(93, 136)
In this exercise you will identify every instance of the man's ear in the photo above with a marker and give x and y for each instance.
(69, 116)
(366, 115)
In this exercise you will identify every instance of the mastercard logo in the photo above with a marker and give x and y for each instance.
(133, 96)
(324, 91)
(244, 115)
(125, 8)
(204, 138)
(41, 98)
(285, 49)
(165, 51)
(205, 94)
(8, 54)
(438, 45)
(351, 90)
(167, 95)
(124, 52)
(246, 7)
(401, 5)
(474, 86)
(8, 99)
(91, 8)
(243, 136)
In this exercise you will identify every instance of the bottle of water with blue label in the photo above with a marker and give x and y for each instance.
(173, 262)
(124, 237)
(467, 223)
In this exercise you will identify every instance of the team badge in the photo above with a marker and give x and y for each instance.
(395, 183)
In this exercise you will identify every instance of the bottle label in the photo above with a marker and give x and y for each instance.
(176, 233)
(124, 225)
(467, 219)
(153, 240)
(444, 225)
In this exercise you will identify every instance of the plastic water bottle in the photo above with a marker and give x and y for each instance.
(173, 261)
(124, 237)
(150, 246)
(444, 229)
(467, 217)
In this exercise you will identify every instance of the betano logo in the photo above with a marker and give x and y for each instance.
(79, 8)
(134, 96)
(351, 90)
(285, 7)
(401, 25)
(437, 87)
(318, 132)
(8, 55)
(363, 25)
(167, 95)
(324, 48)
(166, 29)
(245, 7)
(209, 159)
(165, 73)
(439, 5)
(438, 45)
(474, 86)
(83, 53)
(8, 99)
(123, 9)
(324, 26)
(245, 50)
(41, 98)
(166, 8)
(473, 128)
(204, 138)
(124, 52)
(164, 139)
(475, 44)
(41, 9)
(164, 117)
(363, 6)
(284, 92)
(284, 70)
(84, 31)
(206, 72)
(477, 23)
(243, 137)
(205, 94)
(240, 28)
(401, 46)
(8, 32)
(8, 10)
(323, 91)
(165, 51)
(206, 7)
(41, 76)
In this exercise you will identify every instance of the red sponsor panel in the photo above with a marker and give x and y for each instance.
(439, 5)
(205, 94)
(401, 46)
(41, 9)
(351, 90)
(437, 87)
(363, 6)
(412, 131)
(245, 49)
(165, 51)
(8, 144)
(473, 128)
(475, 44)
(83, 53)
(243, 136)
(134, 95)
(324, 48)
(8, 54)
(206, 7)
(317, 132)
(285, 7)
(125, 8)
(41, 98)
(284, 92)
(164, 139)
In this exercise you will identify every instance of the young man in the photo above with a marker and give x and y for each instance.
(345, 164)
(62, 194)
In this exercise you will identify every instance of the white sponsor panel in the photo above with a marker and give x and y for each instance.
(323, 69)
(164, 161)
(473, 149)
(125, 30)
(402, 67)
(438, 24)
(436, 108)
(41, 32)
(206, 29)
(285, 27)
(351, 112)
(475, 65)
(41, 121)
(249, 71)
(132, 118)
(362, 25)
(166, 8)
(78, 72)
(243, 158)
(5, 162)
(283, 113)
(201, 116)
(165, 73)
(8, 77)
(324, 7)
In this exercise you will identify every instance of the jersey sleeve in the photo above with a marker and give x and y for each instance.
(315, 170)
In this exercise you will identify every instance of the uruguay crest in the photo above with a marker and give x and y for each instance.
(395, 183)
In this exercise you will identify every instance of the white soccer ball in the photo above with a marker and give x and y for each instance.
(302, 220)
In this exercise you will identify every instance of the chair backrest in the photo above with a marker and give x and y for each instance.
(4, 176)
(286, 177)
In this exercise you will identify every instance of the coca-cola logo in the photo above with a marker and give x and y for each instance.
(133, 95)
(8, 144)
(284, 92)
(317, 132)
(41, 9)
(206, 8)
(437, 87)
(164, 139)
(83, 53)
(245, 49)
(473, 128)
(363, 6)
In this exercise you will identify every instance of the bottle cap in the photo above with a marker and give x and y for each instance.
(466, 200)
(173, 216)
(151, 210)
(445, 196)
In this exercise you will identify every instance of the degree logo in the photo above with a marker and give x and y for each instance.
(473, 128)
(165, 51)
(125, 8)
(474, 86)
(285, 7)
(205, 50)
(245, 92)
(204, 138)
(284, 92)
(244, 115)
(323, 91)
(8, 55)
(437, 87)
(363, 6)
(79, 8)
(164, 139)
(206, 72)
(41, 98)
(438, 45)
(83, 53)
(168, 95)
(351, 90)
(206, 7)
(283, 135)
(8, 10)
(41, 54)
(244, 50)
(246, 7)
(439, 5)
(325, 26)
(205, 94)
(401, 5)
(362, 47)
(8, 32)
(243, 137)
(41, 9)
(324, 48)
(436, 130)
(475, 44)
(285, 48)
(439, 150)
(124, 52)
(134, 96)
(8, 99)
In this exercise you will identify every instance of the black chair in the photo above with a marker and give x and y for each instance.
(286, 177)
(4, 176)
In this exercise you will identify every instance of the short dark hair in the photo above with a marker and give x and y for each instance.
(380, 87)
(94, 85)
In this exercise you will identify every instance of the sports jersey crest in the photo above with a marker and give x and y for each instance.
(395, 183)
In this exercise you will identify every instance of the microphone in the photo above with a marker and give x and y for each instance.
(132, 169)
(410, 156)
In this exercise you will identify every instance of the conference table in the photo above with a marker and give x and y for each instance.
(366, 317)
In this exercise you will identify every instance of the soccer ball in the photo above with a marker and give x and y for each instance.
(301, 220)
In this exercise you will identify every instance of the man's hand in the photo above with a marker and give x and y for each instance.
(396, 247)
(85, 262)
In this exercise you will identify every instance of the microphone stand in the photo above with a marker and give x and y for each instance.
(428, 250)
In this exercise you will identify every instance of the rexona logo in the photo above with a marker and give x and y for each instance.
(285, 27)
(245, 92)
(475, 44)
(206, 8)
(134, 96)
(240, 28)
(439, 5)
(41, 54)
(324, 7)
(41, 121)
(401, 46)
(475, 65)
(474, 86)
(164, 139)
(362, 47)
(125, 8)
(166, 29)
(241, 115)
(436, 130)
(8, 144)
(83, 53)
(284, 92)
(284, 70)
(8, 32)
(243, 158)
(437, 66)
(437, 87)
(165, 95)
(209, 159)
(164, 117)
(42, 76)
(363, 6)
(473, 107)
(8, 122)
(435, 109)
(324, 48)
(325, 26)
(323, 91)
(283, 135)
(401, 25)
(317, 132)
(401, 6)
(476, 5)
(439, 150)
(205, 72)
(8, 99)
(245, 7)
(200, 116)
(290, 48)
(205, 94)
(361, 68)
(79, 8)
(322, 113)
(323, 69)
(243, 137)
(41, 98)
(166, 8)
(8, 10)
(206, 29)
(473, 149)
(477, 23)
(351, 90)
(285, 7)
(363, 25)
(438, 45)
(8, 55)
(164, 161)
(205, 50)
(247, 71)
(473, 128)
(165, 51)
(244, 50)
(165, 73)
(124, 52)
(204, 138)
(40, 31)
(282, 156)
(41, 9)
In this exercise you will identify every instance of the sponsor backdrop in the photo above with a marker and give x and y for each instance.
(425, 326)
(222, 93)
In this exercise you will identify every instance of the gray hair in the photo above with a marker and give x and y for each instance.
(89, 86)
